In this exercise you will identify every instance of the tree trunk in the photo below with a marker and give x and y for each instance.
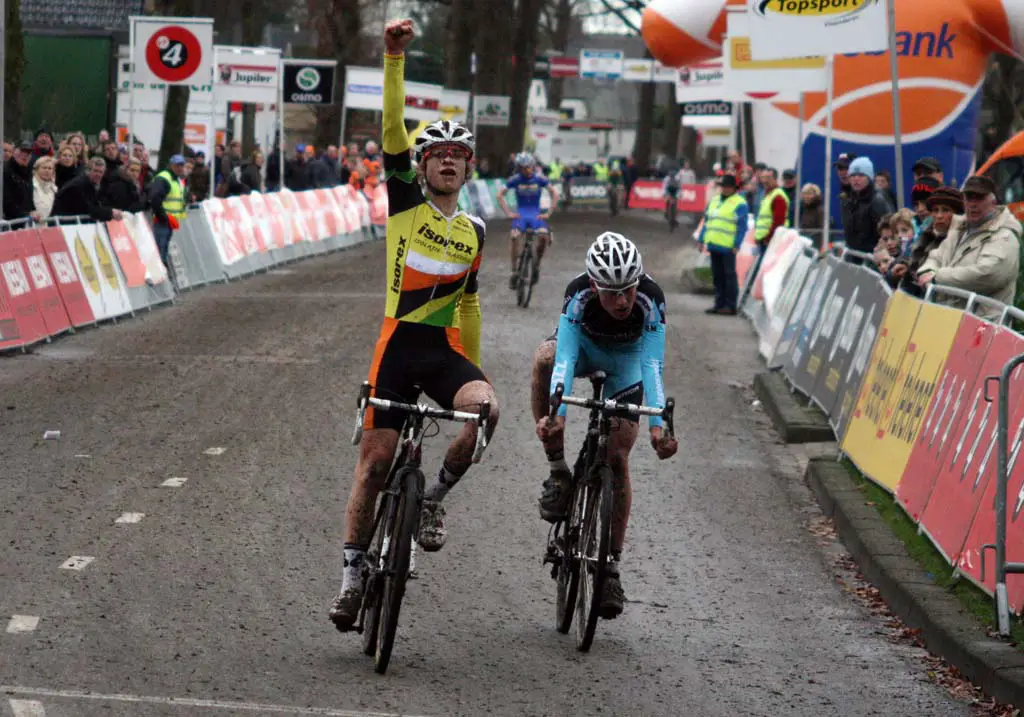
(673, 123)
(14, 61)
(173, 138)
(252, 31)
(524, 52)
(338, 24)
(459, 46)
(494, 21)
(560, 41)
(644, 127)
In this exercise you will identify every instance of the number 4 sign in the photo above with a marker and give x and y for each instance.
(172, 50)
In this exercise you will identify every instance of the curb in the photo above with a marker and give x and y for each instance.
(946, 628)
(796, 422)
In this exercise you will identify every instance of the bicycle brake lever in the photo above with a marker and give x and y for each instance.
(481, 431)
(556, 400)
(364, 396)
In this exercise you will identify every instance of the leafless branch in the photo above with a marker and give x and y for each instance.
(619, 12)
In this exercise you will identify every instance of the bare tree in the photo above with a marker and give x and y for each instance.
(558, 16)
(524, 51)
(14, 69)
(673, 117)
(337, 24)
(172, 139)
(495, 24)
(459, 45)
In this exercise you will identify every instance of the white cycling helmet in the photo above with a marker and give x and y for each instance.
(443, 132)
(614, 261)
(523, 159)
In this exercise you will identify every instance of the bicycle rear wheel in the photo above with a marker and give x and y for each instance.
(525, 288)
(594, 544)
(404, 519)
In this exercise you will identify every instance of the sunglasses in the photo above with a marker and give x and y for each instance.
(452, 150)
(617, 291)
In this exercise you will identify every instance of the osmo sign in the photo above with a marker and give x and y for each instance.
(309, 82)
(708, 108)
(584, 190)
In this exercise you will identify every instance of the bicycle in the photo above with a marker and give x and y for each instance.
(578, 545)
(613, 199)
(524, 271)
(388, 563)
(671, 210)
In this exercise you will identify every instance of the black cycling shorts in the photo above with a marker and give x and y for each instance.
(409, 355)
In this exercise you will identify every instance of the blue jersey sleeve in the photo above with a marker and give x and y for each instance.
(653, 346)
(512, 182)
(566, 355)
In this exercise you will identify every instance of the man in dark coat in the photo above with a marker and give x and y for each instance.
(81, 196)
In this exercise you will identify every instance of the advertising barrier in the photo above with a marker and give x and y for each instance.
(55, 278)
(649, 194)
(588, 192)
(903, 383)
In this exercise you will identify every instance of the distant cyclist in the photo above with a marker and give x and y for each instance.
(528, 186)
(613, 320)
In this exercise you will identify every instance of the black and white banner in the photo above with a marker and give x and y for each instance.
(309, 82)
(586, 191)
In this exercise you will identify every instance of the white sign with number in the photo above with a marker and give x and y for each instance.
(172, 50)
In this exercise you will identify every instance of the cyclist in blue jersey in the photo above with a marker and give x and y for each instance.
(528, 186)
(613, 320)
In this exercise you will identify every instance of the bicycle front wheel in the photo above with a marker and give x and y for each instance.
(594, 545)
(525, 288)
(404, 520)
(569, 565)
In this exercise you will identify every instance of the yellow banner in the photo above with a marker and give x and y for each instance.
(908, 359)
(741, 59)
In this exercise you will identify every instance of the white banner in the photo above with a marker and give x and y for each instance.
(705, 81)
(364, 88)
(601, 64)
(637, 70)
(665, 74)
(454, 105)
(173, 50)
(781, 29)
(246, 74)
(98, 269)
(145, 243)
(745, 74)
(544, 123)
(422, 101)
(491, 110)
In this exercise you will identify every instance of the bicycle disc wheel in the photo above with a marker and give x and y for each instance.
(405, 516)
(595, 541)
(569, 567)
(525, 289)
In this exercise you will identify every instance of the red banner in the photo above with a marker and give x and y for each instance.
(69, 284)
(648, 194)
(47, 296)
(127, 254)
(20, 297)
(983, 530)
(969, 462)
(946, 415)
(564, 66)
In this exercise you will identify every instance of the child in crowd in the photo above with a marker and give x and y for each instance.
(888, 247)
(904, 229)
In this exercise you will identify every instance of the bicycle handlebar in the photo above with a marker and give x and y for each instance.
(482, 417)
(614, 408)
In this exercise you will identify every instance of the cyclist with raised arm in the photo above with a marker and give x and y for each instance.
(528, 185)
(613, 320)
(430, 336)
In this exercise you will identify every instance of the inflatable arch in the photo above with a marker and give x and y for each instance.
(943, 50)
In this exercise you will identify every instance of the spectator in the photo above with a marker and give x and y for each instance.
(812, 213)
(145, 170)
(928, 167)
(8, 152)
(112, 158)
(774, 212)
(316, 173)
(722, 232)
(483, 169)
(197, 188)
(273, 181)
(67, 167)
(251, 177)
(294, 171)
(42, 147)
(331, 160)
(123, 192)
(76, 140)
(18, 202)
(888, 248)
(372, 152)
(863, 207)
(789, 187)
(883, 183)
(218, 164)
(231, 165)
(944, 204)
(903, 227)
(81, 196)
(919, 194)
(166, 199)
(44, 189)
(842, 167)
(982, 250)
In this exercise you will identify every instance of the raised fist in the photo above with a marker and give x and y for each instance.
(397, 36)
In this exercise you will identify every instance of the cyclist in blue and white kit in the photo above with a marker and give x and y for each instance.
(528, 186)
(613, 320)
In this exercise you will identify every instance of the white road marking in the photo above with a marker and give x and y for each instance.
(215, 451)
(22, 623)
(76, 562)
(82, 455)
(130, 517)
(27, 708)
(174, 482)
(190, 702)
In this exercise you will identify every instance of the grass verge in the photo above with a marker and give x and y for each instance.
(704, 274)
(931, 561)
